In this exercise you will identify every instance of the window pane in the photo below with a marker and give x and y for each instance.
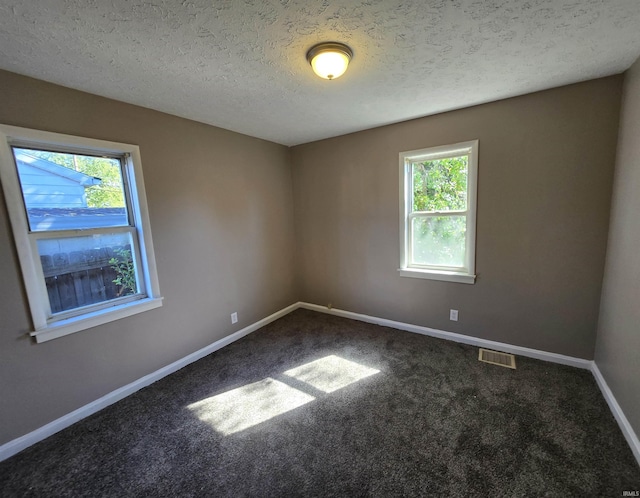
(440, 185)
(439, 240)
(70, 191)
(80, 271)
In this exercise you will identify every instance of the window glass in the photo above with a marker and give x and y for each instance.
(86, 270)
(64, 191)
(439, 240)
(440, 184)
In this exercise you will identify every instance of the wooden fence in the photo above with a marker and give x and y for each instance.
(80, 278)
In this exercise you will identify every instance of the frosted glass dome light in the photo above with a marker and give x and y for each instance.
(329, 60)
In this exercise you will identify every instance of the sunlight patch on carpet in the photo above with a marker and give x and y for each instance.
(249, 405)
(331, 373)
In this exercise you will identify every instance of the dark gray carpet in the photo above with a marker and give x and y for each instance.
(433, 422)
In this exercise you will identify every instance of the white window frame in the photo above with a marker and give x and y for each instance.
(465, 274)
(45, 326)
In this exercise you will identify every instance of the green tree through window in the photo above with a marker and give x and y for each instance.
(440, 185)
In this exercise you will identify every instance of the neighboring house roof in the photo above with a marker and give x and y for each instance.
(56, 169)
(72, 218)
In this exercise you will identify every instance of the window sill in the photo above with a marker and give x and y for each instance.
(446, 276)
(89, 320)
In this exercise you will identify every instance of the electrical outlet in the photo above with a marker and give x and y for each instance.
(453, 315)
(234, 317)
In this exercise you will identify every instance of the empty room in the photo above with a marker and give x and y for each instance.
(290, 248)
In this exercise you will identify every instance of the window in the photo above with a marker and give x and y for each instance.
(438, 212)
(79, 217)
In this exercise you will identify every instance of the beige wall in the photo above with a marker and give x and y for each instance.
(221, 213)
(545, 174)
(618, 344)
(223, 209)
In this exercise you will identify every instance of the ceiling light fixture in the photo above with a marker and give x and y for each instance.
(329, 60)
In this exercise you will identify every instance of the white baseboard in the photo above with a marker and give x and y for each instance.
(619, 415)
(451, 336)
(12, 447)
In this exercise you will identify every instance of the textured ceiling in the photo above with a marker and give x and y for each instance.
(240, 64)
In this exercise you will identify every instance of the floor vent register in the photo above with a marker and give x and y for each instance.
(497, 358)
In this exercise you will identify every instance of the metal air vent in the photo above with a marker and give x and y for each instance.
(497, 358)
